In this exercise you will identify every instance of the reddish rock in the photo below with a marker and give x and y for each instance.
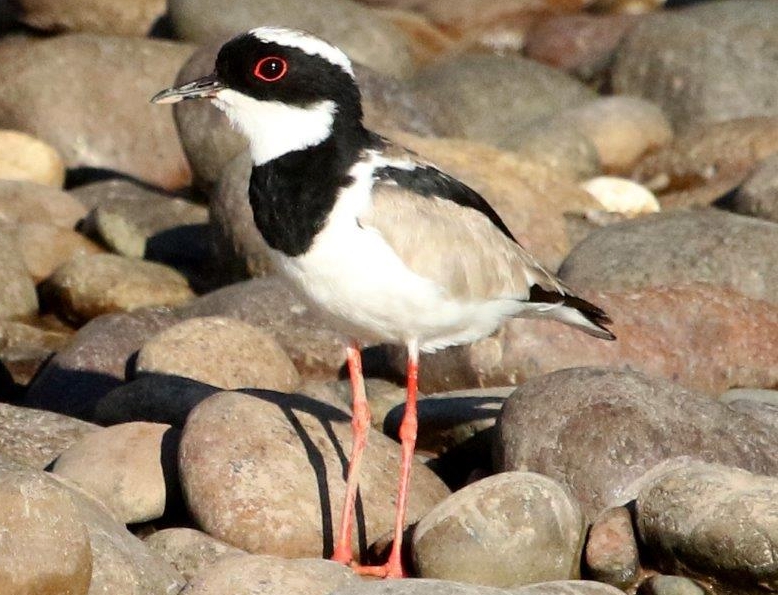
(611, 553)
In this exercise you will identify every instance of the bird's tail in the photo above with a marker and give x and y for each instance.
(570, 309)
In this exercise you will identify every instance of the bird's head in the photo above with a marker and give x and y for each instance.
(283, 89)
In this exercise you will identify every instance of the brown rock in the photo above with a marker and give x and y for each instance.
(56, 90)
(27, 202)
(611, 554)
(189, 551)
(45, 247)
(45, 546)
(130, 468)
(507, 530)
(596, 430)
(101, 283)
(219, 351)
(758, 196)
(25, 158)
(17, 292)
(23, 347)
(34, 437)
(111, 17)
(267, 575)
(266, 473)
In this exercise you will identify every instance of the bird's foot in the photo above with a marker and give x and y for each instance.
(389, 570)
(342, 555)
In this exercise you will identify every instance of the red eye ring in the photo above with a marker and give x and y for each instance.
(270, 69)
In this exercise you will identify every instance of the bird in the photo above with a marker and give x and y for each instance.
(387, 246)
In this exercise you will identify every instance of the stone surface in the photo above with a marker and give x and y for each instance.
(507, 530)
(718, 248)
(758, 196)
(17, 292)
(28, 202)
(491, 98)
(673, 332)
(661, 584)
(97, 16)
(219, 351)
(58, 91)
(597, 430)
(439, 587)
(135, 221)
(364, 35)
(611, 554)
(620, 195)
(94, 362)
(87, 287)
(24, 348)
(130, 468)
(268, 575)
(45, 545)
(705, 63)
(34, 437)
(264, 472)
(713, 521)
(188, 550)
(44, 247)
(25, 158)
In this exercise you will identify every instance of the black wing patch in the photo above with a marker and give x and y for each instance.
(592, 313)
(429, 181)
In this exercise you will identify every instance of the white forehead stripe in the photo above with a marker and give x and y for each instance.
(306, 42)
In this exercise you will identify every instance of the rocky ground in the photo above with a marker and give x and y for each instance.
(173, 420)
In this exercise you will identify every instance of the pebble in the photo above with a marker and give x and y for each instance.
(718, 248)
(44, 247)
(265, 472)
(714, 521)
(219, 351)
(130, 468)
(611, 554)
(619, 195)
(28, 202)
(596, 430)
(58, 89)
(25, 158)
(363, 34)
(661, 584)
(35, 438)
(560, 148)
(24, 348)
(17, 292)
(188, 550)
(111, 17)
(507, 530)
(267, 575)
(758, 196)
(382, 397)
(441, 587)
(89, 286)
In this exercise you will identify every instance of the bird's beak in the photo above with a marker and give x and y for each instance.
(204, 87)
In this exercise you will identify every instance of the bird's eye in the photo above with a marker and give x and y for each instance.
(270, 69)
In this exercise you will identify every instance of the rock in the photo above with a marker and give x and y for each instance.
(718, 248)
(507, 530)
(438, 587)
(766, 396)
(382, 397)
(620, 195)
(708, 161)
(153, 398)
(27, 202)
(44, 247)
(130, 468)
(45, 546)
(111, 18)
(611, 555)
(135, 221)
(25, 158)
(219, 351)
(361, 33)
(670, 585)
(704, 63)
(597, 430)
(57, 91)
(560, 148)
(490, 98)
(86, 287)
(582, 44)
(712, 521)
(17, 292)
(266, 473)
(94, 362)
(34, 437)
(568, 588)
(667, 332)
(24, 348)
(121, 563)
(316, 350)
(268, 575)
(189, 551)
(622, 129)
(758, 196)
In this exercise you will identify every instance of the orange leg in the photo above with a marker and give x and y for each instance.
(393, 567)
(360, 424)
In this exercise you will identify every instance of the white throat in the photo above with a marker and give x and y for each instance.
(275, 128)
